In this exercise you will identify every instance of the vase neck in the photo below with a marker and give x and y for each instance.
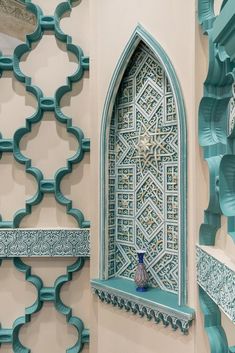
(141, 257)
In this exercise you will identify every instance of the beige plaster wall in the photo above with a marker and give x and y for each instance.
(102, 28)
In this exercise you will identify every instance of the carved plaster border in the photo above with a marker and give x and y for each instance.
(44, 242)
(217, 280)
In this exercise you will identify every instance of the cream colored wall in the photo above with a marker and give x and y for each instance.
(102, 28)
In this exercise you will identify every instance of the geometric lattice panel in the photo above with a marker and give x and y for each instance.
(143, 173)
(143, 186)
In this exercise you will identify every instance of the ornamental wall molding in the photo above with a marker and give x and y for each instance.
(217, 280)
(160, 314)
(44, 242)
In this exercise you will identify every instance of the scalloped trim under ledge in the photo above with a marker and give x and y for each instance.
(156, 304)
(26, 242)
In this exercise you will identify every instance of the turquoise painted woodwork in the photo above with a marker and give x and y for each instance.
(216, 135)
(45, 294)
(154, 304)
(212, 323)
(161, 95)
(45, 23)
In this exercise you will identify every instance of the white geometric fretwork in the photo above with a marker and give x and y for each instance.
(144, 167)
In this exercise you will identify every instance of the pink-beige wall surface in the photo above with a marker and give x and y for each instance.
(102, 28)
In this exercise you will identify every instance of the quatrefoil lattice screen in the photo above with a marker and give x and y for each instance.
(40, 170)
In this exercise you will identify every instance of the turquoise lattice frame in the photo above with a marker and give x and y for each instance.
(45, 23)
(119, 292)
(45, 294)
(16, 242)
(216, 136)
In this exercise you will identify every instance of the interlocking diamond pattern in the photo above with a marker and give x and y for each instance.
(143, 173)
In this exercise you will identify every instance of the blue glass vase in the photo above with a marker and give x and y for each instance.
(141, 275)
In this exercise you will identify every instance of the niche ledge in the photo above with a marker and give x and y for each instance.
(155, 304)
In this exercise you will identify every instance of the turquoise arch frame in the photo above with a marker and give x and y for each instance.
(140, 34)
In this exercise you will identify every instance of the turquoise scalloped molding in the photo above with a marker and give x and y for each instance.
(155, 304)
(218, 147)
(45, 23)
(45, 294)
(44, 242)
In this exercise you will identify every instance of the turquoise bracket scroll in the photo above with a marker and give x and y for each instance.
(44, 104)
(45, 294)
(216, 137)
(212, 324)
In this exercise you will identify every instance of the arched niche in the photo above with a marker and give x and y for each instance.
(143, 173)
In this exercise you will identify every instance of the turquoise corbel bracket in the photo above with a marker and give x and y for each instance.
(156, 305)
(216, 137)
(212, 323)
(206, 14)
(45, 104)
(45, 294)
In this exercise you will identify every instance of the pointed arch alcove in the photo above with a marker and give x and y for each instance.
(143, 185)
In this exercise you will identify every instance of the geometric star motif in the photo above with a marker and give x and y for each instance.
(143, 180)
